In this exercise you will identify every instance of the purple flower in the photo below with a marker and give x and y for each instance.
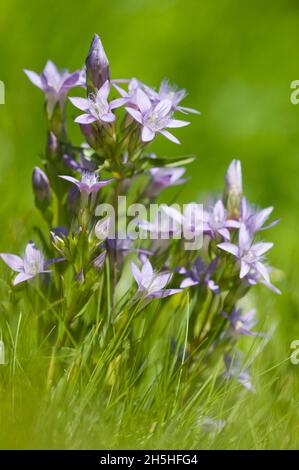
(154, 118)
(166, 91)
(242, 324)
(150, 283)
(171, 93)
(249, 254)
(254, 221)
(163, 177)
(254, 277)
(200, 273)
(216, 222)
(32, 263)
(89, 182)
(233, 370)
(41, 185)
(97, 65)
(54, 83)
(130, 97)
(96, 106)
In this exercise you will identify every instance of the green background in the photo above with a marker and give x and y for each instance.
(237, 60)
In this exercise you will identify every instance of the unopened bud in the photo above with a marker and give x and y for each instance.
(2, 353)
(233, 188)
(41, 186)
(97, 65)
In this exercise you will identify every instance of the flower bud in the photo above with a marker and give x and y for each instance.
(102, 228)
(2, 353)
(41, 186)
(52, 145)
(97, 66)
(233, 188)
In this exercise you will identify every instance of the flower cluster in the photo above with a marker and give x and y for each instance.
(120, 119)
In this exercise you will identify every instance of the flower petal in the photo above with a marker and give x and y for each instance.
(177, 123)
(245, 268)
(147, 135)
(135, 114)
(80, 103)
(85, 119)
(34, 78)
(21, 277)
(260, 248)
(169, 136)
(13, 261)
(229, 247)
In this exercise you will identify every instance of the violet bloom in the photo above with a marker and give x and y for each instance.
(162, 178)
(97, 65)
(154, 118)
(254, 277)
(200, 273)
(54, 83)
(249, 254)
(254, 221)
(89, 182)
(152, 284)
(171, 93)
(216, 222)
(96, 106)
(233, 370)
(32, 263)
(242, 324)
(129, 97)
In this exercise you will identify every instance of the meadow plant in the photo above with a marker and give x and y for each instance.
(110, 308)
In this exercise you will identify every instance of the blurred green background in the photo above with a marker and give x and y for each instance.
(236, 59)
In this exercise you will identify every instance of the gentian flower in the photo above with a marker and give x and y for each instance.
(154, 118)
(97, 65)
(254, 221)
(233, 370)
(162, 178)
(171, 93)
(96, 106)
(130, 97)
(32, 263)
(150, 283)
(200, 273)
(89, 182)
(54, 83)
(216, 222)
(242, 324)
(254, 277)
(249, 255)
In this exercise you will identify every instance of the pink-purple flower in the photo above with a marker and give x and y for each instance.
(154, 118)
(216, 222)
(162, 178)
(249, 254)
(151, 284)
(96, 107)
(89, 182)
(30, 265)
(54, 83)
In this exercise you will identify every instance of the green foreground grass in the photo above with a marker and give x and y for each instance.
(97, 396)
